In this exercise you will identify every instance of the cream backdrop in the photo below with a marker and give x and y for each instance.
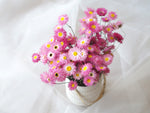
(26, 24)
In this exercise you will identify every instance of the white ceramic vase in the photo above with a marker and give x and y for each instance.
(84, 96)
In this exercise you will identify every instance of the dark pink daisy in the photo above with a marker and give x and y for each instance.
(118, 37)
(107, 59)
(105, 19)
(101, 67)
(88, 81)
(35, 57)
(93, 26)
(101, 11)
(63, 19)
(110, 38)
(72, 85)
(108, 29)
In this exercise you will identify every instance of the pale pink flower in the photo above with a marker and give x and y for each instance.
(60, 34)
(90, 12)
(108, 29)
(88, 81)
(69, 69)
(35, 57)
(74, 54)
(112, 15)
(107, 59)
(63, 19)
(83, 42)
(47, 78)
(86, 69)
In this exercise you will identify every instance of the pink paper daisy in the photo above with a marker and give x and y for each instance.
(83, 42)
(101, 11)
(108, 29)
(83, 55)
(93, 74)
(91, 48)
(71, 39)
(118, 37)
(56, 47)
(52, 39)
(90, 19)
(101, 67)
(93, 26)
(47, 78)
(64, 44)
(112, 15)
(119, 24)
(107, 59)
(59, 74)
(105, 19)
(74, 54)
(44, 59)
(35, 57)
(63, 19)
(51, 55)
(88, 81)
(58, 27)
(60, 34)
(69, 69)
(83, 20)
(97, 59)
(72, 85)
(77, 75)
(108, 49)
(88, 33)
(64, 58)
(86, 69)
(111, 38)
(82, 29)
(90, 12)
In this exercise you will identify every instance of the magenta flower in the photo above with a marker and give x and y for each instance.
(108, 49)
(83, 55)
(88, 33)
(93, 26)
(88, 81)
(101, 11)
(82, 30)
(111, 38)
(60, 34)
(86, 69)
(119, 24)
(72, 85)
(108, 29)
(112, 15)
(118, 37)
(83, 42)
(107, 59)
(71, 39)
(47, 78)
(90, 12)
(63, 19)
(35, 57)
(91, 48)
(105, 19)
(97, 59)
(101, 67)
(69, 69)
(74, 54)
(83, 20)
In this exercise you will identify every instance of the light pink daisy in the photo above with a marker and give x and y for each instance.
(63, 19)
(88, 81)
(51, 55)
(90, 57)
(83, 20)
(93, 26)
(90, 12)
(112, 15)
(93, 74)
(90, 19)
(44, 59)
(88, 32)
(82, 29)
(47, 78)
(77, 75)
(74, 54)
(60, 34)
(108, 29)
(56, 47)
(59, 74)
(101, 11)
(119, 24)
(83, 42)
(107, 59)
(86, 69)
(52, 39)
(101, 67)
(72, 85)
(105, 19)
(110, 38)
(69, 69)
(83, 55)
(97, 59)
(58, 27)
(64, 58)
(64, 44)
(35, 57)
(91, 48)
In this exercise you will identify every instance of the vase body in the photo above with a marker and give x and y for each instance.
(84, 96)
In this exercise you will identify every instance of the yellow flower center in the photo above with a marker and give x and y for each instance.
(89, 47)
(83, 42)
(64, 57)
(89, 56)
(75, 53)
(62, 43)
(83, 29)
(35, 57)
(112, 15)
(108, 29)
(51, 62)
(89, 32)
(111, 38)
(106, 18)
(93, 26)
(73, 85)
(83, 19)
(69, 68)
(90, 19)
(58, 61)
(62, 18)
(77, 74)
(60, 34)
(84, 68)
(101, 67)
(69, 39)
(82, 53)
(90, 12)
(53, 67)
(48, 45)
(88, 80)
(106, 59)
(52, 40)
